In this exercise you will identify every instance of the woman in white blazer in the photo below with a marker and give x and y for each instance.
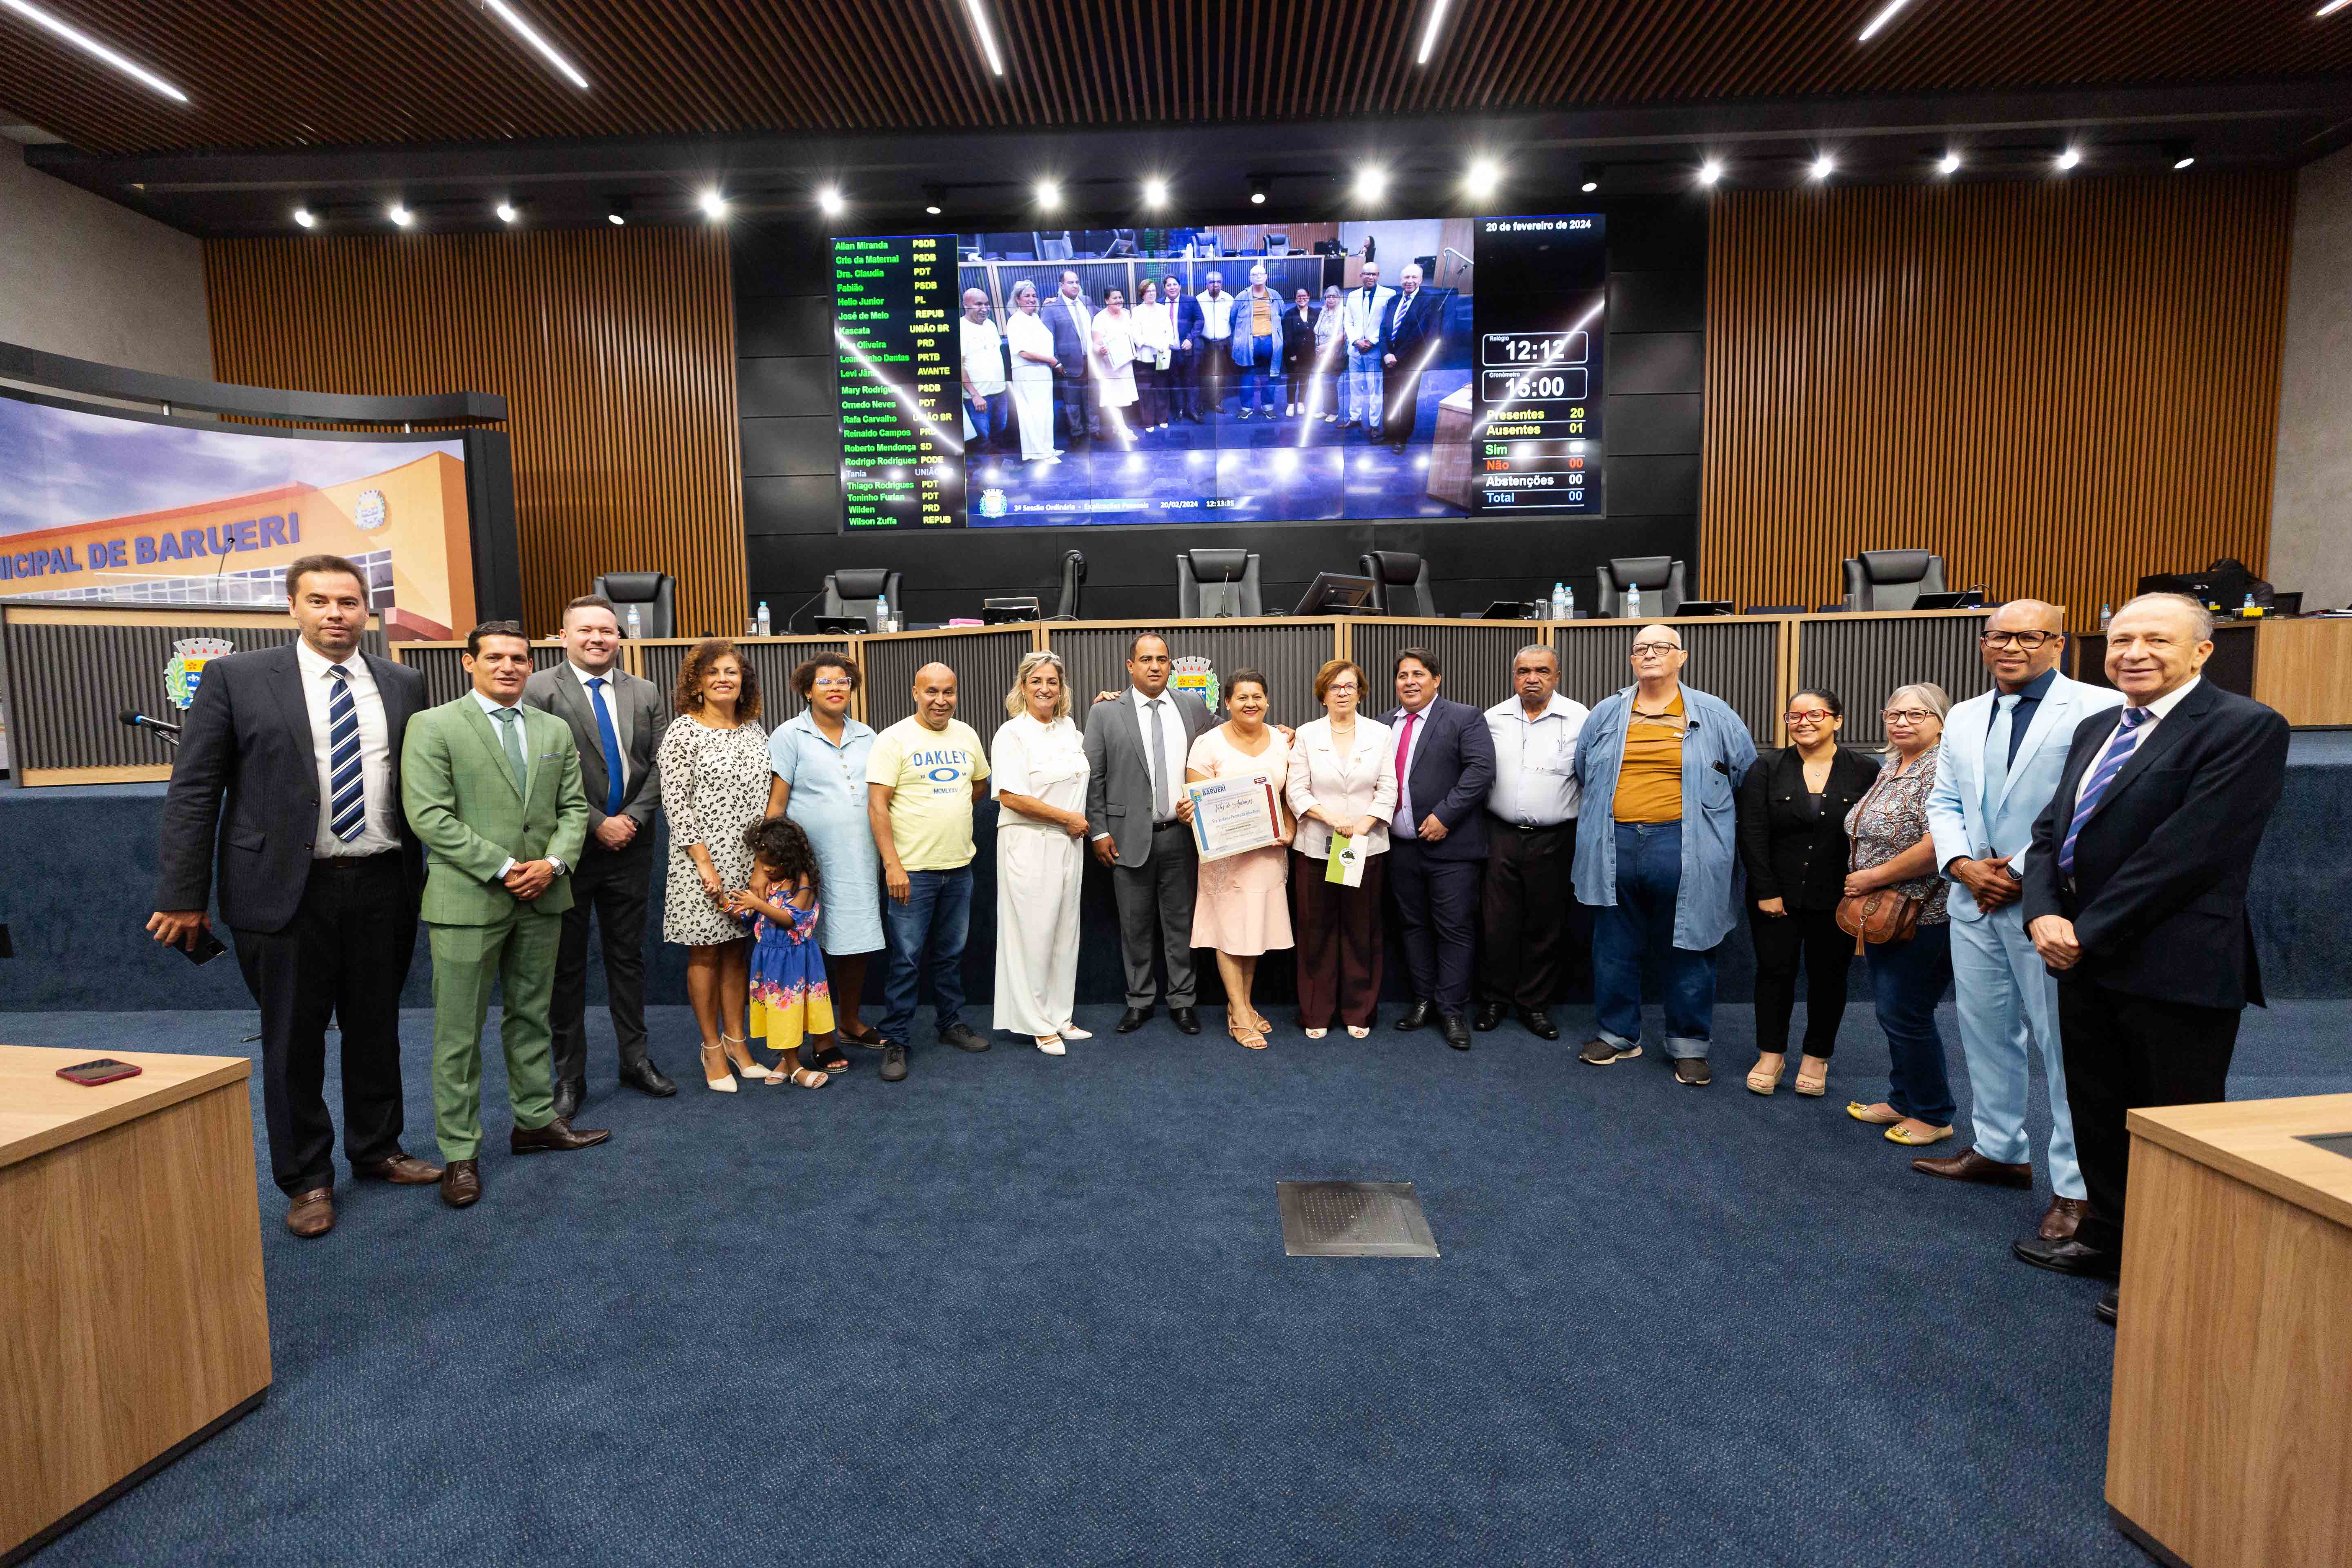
(1342, 780)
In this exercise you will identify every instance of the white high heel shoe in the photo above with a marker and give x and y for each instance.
(725, 1082)
(748, 1067)
(1050, 1043)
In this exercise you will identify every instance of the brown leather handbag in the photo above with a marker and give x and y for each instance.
(1874, 919)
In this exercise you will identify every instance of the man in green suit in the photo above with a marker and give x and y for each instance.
(492, 789)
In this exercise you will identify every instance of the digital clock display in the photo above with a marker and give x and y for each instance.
(1542, 289)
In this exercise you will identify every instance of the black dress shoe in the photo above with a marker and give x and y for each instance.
(1490, 1014)
(2107, 1307)
(1457, 1031)
(1416, 1016)
(1537, 1022)
(1134, 1018)
(961, 1038)
(646, 1078)
(2068, 1257)
(1185, 1019)
(569, 1093)
(558, 1135)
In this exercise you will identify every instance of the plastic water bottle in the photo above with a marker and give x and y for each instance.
(1633, 602)
(1568, 612)
(1552, 608)
(881, 612)
(2106, 614)
(637, 627)
(2249, 610)
(763, 617)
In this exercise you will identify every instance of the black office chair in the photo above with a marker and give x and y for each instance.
(1891, 579)
(1660, 578)
(654, 594)
(1215, 583)
(858, 591)
(1074, 578)
(1400, 583)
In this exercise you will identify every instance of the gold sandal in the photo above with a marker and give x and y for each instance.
(1764, 1083)
(1862, 1112)
(1248, 1037)
(1813, 1087)
(1899, 1134)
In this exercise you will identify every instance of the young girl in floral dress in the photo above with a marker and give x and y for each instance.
(787, 969)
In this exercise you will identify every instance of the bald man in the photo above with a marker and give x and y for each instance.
(923, 777)
(983, 367)
(2003, 751)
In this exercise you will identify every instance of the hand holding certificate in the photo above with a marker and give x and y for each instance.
(1233, 815)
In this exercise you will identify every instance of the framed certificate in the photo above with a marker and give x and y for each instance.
(1232, 816)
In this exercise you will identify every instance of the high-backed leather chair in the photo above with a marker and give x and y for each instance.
(654, 594)
(1074, 578)
(859, 590)
(1400, 583)
(1892, 579)
(1211, 583)
(1660, 578)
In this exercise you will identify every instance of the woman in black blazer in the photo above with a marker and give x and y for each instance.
(1792, 844)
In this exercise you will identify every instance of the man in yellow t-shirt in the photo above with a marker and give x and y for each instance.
(922, 777)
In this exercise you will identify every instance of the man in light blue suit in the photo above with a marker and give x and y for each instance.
(2002, 753)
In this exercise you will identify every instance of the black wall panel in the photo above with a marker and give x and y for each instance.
(1657, 363)
(802, 444)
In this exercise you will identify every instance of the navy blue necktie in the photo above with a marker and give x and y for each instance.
(347, 806)
(609, 738)
(2120, 747)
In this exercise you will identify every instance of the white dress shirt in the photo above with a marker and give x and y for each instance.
(382, 829)
(522, 738)
(1172, 729)
(1217, 316)
(983, 356)
(1412, 724)
(2157, 712)
(1534, 760)
(611, 678)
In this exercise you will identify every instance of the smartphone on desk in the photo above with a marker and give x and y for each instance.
(105, 1070)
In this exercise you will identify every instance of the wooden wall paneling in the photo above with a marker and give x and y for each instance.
(613, 348)
(2058, 386)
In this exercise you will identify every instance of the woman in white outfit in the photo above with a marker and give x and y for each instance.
(1155, 335)
(1113, 365)
(1032, 343)
(1038, 768)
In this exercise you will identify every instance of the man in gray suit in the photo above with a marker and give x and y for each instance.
(614, 717)
(1140, 822)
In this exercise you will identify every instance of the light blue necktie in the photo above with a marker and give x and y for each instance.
(347, 802)
(609, 738)
(2119, 750)
(1996, 754)
(510, 732)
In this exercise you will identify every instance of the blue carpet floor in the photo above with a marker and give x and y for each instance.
(1023, 1310)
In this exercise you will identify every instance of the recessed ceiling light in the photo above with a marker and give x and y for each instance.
(1371, 183)
(1481, 179)
(400, 216)
(306, 217)
(508, 213)
(829, 202)
(2068, 158)
(89, 46)
(1257, 198)
(1949, 163)
(1886, 13)
(536, 39)
(1049, 194)
(1822, 168)
(1429, 34)
(2180, 152)
(987, 35)
(1710, 171)
(1155, 193)
(713, 204)
(932, 208)
(2183, 161)
(617, 220)
(1591, 186)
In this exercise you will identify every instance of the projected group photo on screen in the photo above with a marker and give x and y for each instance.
(1262, 372)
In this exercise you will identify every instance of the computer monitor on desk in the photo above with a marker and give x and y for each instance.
(1333, 594)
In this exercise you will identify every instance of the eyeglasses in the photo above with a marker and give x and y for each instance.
(1810, 716)
(1660, 648)
(2029, 641)
(841, 681)
(1906, 715)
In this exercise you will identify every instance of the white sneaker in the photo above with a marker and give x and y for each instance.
(1050, 1045)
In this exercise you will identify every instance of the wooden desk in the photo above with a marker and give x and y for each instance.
(2226, 1446)
(2301, 666)
(133, 1322)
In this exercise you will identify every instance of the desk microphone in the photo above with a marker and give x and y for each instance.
(138, 720)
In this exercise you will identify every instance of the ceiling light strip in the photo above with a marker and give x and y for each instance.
(1886, 13)
(987, 35)
(89, 46)
(1428, 34)
(531, 36)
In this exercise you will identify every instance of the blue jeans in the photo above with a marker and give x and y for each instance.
(1259, 380)
(1908, 979)
(990, 416)
(936, 916)
(1641, 923)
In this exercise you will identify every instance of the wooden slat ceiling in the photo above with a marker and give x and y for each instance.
(293, 73)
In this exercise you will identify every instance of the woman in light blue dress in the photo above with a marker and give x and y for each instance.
(819, 759)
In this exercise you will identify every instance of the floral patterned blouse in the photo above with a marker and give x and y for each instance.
(1890, 819)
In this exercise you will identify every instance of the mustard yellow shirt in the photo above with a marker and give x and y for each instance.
(1262, 317)
(1650, 779)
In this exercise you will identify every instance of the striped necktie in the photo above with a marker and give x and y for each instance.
(2120, 747)
(347, 802)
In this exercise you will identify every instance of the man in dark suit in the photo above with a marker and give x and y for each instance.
(319, 877)
(1409, 326)
(1185, 327)
(1139, 817)
(1070, 317)
(1437, 841)
(2134, 896)
(616, 722)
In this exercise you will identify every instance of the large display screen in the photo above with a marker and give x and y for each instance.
(1256, 373)
(126, 509)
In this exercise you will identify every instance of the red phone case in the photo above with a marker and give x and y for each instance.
(119, 1071)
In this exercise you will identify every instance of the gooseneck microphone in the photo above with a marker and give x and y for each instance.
(135, 720)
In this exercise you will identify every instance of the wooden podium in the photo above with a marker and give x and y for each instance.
(132, 1319)
(2227, 1444)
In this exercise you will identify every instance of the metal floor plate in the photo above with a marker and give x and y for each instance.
(1353, 1219)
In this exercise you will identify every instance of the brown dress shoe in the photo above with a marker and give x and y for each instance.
(401, 1171)
(2063, 1214)
(312, 1213)
(557, 1134)
(1968, 1165)
(461, 1184)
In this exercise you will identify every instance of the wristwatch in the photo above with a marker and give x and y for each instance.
(559, 867)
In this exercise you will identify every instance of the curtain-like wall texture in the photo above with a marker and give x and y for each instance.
(613, 348)
(2057, 386)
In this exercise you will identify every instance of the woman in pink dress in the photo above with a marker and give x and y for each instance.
(1242, 908)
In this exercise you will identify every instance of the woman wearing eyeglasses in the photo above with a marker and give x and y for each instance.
(1893, 849)
(1793, 842)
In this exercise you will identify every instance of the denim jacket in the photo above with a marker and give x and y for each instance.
(1716, 754)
